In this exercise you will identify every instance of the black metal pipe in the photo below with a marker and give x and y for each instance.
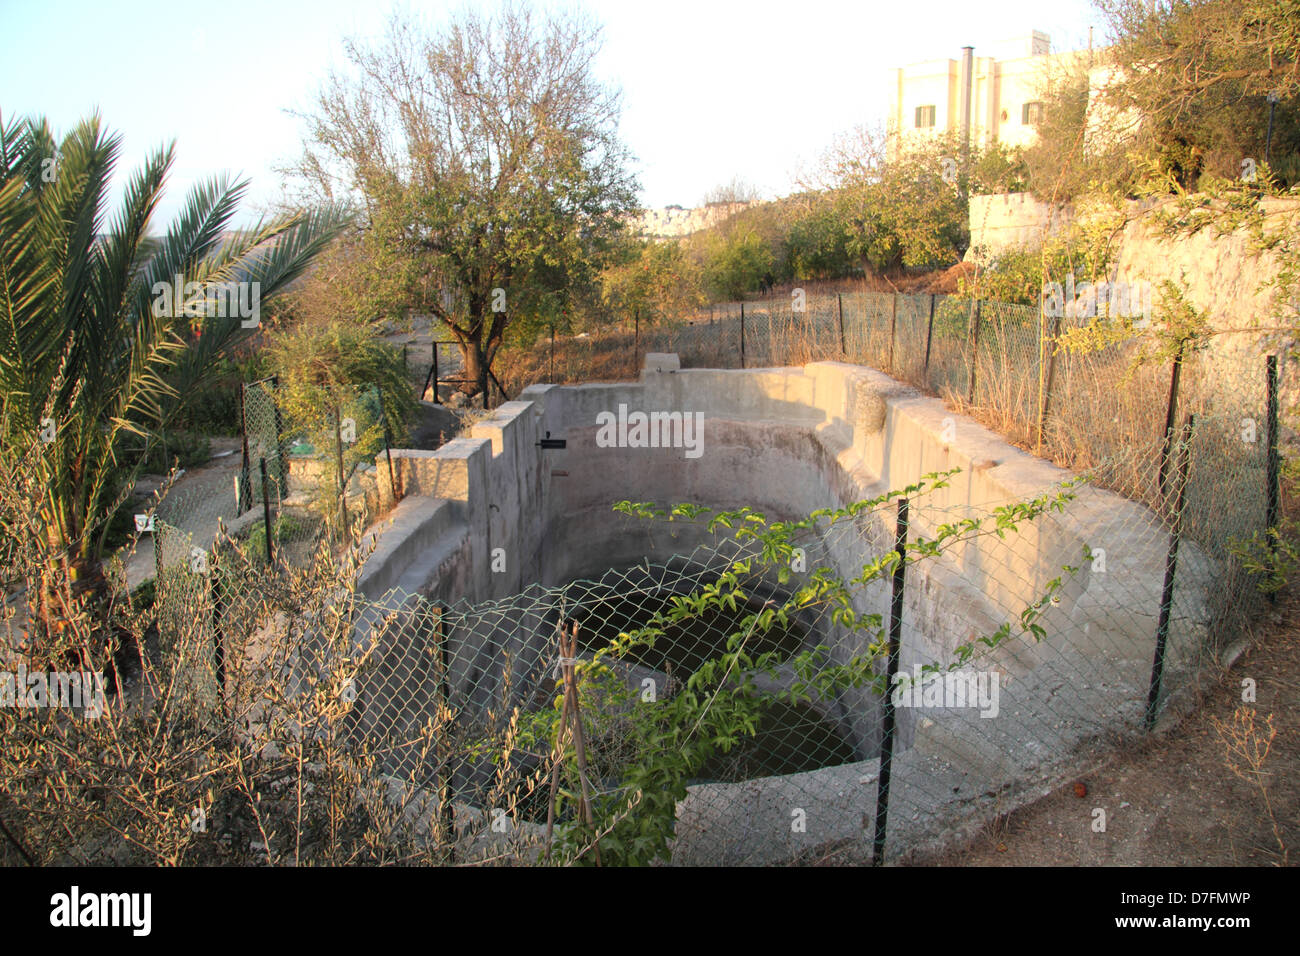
(891, 674)
(839, 301)
(388, 453)
(976, 311)
(1268, 140)
(893, 331)
(1273, 467)
(343, 488)
(245, 472)
(929, 337)
(1171, 411)
(1171, 570)
(742, 335)
(1051, 377)
(266, 514)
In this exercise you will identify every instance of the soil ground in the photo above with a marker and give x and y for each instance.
(1175, 801)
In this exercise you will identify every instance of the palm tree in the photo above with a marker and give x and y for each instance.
(91, 349)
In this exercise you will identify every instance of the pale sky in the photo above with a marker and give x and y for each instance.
(711, 90)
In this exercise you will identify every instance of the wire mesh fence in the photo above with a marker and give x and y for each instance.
(863, 686)
(1000, 363)
(857, 687)
(307, 476)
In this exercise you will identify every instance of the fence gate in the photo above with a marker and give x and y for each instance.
(263, 438)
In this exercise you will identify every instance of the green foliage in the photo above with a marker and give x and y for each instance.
(1185, 95)
(907, 213)
(736, 265)
(818, 242)
(341, 365)
(1179, 327)
(1068, 158)
(1084, 250)
(284, 526)
(665, 742)
(168, 449)
(656, 280)
(1233, 207)
(86, 360)
(212, 407)
(487, 160)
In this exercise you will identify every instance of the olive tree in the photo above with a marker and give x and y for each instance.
(485, 162)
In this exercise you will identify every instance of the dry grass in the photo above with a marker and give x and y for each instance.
(265, 757)
(1100, 406)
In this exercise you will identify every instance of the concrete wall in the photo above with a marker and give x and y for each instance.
(1007, 220)
(785, 442)
(1224, 275)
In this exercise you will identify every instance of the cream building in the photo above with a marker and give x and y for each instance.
(1005, 85)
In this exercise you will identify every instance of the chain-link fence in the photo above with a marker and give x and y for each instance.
(308, 480)
(865, 685)
(1002, 364)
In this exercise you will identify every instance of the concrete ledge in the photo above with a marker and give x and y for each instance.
(402, 543)
(494, 514)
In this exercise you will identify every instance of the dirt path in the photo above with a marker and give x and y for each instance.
(1174, 802)
(196, 502)
(205, 495)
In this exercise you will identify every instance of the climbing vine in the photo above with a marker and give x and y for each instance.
(663, 741)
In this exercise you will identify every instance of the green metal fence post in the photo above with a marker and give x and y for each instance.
(929, 336)
(1171, 570)
(976, 309)
(891, 674)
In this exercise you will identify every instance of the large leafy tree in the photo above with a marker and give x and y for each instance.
(92, 350)
(486, 164)
(1193, 80)
(653, 279)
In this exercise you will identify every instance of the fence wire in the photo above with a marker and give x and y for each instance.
(463, 714)
(1002, 364)
(496, 740)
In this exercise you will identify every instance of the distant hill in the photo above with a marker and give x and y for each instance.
(670, 222)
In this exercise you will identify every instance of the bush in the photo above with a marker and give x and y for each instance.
(326, 367)
(213, 407)
(285, 527)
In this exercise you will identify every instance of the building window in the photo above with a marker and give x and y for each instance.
(1031, 114)
(924, 116)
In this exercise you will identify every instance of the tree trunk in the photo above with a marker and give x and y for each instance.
(476, 369)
